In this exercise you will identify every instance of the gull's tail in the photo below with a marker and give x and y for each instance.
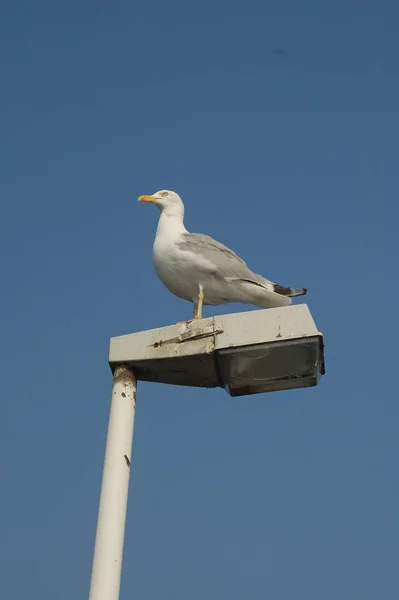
(261, 292)
(273, 295)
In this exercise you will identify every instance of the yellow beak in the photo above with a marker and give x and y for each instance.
(147, 199)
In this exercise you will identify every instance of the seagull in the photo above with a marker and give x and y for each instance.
(197, 268)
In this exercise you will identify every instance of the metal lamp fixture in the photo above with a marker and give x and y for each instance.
(245, 353)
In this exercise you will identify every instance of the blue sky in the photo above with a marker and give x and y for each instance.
(291, 161)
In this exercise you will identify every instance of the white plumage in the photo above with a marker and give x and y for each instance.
(197, 268)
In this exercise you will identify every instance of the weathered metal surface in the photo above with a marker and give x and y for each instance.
(199, 333)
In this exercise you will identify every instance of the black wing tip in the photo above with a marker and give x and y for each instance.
(287, 291)
(283, 291)
(299, 292)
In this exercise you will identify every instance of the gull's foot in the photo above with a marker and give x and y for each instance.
(186, 321)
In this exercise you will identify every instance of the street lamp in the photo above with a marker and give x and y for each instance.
(245, 353)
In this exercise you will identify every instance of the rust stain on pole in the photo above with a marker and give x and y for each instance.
(124, 374)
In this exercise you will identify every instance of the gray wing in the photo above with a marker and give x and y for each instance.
(228, 265)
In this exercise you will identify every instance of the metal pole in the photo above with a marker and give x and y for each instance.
(108, 548)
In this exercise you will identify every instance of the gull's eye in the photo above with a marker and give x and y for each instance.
(164, 194)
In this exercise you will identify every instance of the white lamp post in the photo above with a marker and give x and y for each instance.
(246, 353)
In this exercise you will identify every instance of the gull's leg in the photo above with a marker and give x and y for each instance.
(198, 303)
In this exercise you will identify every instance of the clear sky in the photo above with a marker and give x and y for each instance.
(290, 158)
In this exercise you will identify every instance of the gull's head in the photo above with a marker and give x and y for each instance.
(165, 200)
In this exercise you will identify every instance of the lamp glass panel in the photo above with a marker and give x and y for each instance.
(270, 367)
